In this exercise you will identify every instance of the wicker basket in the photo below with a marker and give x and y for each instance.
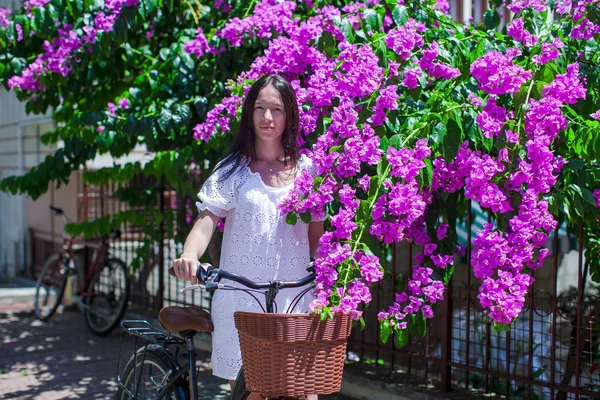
(292, 354)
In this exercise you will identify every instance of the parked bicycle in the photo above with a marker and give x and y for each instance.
(102, 291)
(165, 367)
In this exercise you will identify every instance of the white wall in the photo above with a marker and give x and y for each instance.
(20, 150)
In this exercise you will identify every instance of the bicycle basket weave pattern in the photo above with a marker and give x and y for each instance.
(292, 354)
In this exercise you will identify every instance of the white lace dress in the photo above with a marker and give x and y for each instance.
(258, 244)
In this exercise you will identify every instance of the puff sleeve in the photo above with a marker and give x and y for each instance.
(219, 193)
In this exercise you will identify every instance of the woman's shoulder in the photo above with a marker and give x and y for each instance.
(304, 161)
(229, 168)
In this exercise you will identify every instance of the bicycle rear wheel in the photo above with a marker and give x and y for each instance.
(50, 287)
(107, 297)
(151, 377)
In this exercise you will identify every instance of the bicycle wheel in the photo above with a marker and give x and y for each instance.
(50, 287)
(239, 389)
(107, 297)
(151, 376)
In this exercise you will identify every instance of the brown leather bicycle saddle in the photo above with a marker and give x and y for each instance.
(179, 319)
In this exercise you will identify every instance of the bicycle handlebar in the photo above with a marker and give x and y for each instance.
(215, 277)
(211, 277)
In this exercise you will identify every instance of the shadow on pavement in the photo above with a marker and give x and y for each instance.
(61, 359)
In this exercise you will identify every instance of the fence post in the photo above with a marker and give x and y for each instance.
(446, 337)
(161, 248)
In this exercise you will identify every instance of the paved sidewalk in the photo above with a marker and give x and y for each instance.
(61, 359)
(16, 297)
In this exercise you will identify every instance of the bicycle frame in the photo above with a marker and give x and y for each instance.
(67, 252)
(143, 330)
(97, 261)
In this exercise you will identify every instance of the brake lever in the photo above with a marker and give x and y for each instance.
(200, 286)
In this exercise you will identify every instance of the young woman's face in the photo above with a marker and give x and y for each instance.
(269, 114)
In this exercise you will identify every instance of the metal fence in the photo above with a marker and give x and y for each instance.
(551, 352)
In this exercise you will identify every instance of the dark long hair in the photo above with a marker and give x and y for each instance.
(243, 150)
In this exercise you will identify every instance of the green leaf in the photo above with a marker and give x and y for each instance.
(448, 274)
(491, 18)
(200, 104)
(501, 327)
(164, 53)
(401, 338)
(164, 120)
(105, 44)
(384, 143)
(438, 133)
(575, 189)
(400, 15)
(588, 196)
(39, 19)
(419, 325)
(385, 330)
(452, 140)
(348, 31)
(395, 141)
(18, 64)
(306, 217)
(135, 93)
(291, 218)
(371, 19)
(362, 213)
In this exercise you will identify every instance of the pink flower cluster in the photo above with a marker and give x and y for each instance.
(550, 51)
(404, 39)
(215, 118)
(498, 74)
(59, 55)
(517, 6)
(4, 22)
(397, 210)
(56, 58)
(268, 16)
(29, 4)
(492, 118)
(517, 31)
(199, 45)
(583, 28)
(499, 257)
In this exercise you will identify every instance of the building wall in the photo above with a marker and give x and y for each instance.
(20, 150)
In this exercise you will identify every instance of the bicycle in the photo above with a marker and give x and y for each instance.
(161, 368)
(102, 290)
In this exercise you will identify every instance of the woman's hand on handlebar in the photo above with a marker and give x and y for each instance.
(185, 267)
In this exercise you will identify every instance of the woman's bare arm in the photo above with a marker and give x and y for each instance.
(315, 231)
(195, 245)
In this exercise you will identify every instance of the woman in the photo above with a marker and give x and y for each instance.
(246, 188)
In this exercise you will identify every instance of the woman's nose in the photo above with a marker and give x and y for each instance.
(268, 116)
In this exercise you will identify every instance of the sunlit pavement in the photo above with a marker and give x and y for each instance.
(61, 359)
